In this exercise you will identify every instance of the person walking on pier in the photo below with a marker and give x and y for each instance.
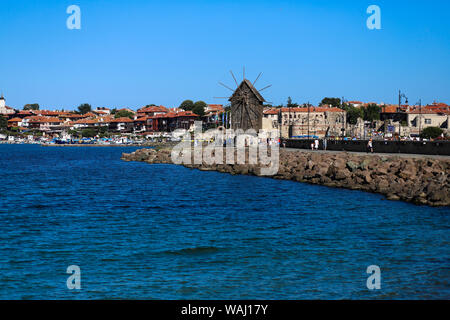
(370, 146)
(316, 144)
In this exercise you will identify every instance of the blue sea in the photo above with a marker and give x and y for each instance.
(140, 231)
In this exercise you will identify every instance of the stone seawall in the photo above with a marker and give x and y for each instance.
(420, 180)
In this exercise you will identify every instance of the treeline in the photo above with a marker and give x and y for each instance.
(198, 107)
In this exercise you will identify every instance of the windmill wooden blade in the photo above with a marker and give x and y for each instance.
(237, 85)
(266, 87)
(226, 86)
(257, 78)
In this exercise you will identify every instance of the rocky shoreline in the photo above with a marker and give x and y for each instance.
(420, 180)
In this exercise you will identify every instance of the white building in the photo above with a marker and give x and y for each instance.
(4, 110)
(102, 111)
(418, 120)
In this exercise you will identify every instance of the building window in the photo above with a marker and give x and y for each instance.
(427, 121)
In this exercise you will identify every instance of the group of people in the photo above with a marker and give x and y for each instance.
(315, 145)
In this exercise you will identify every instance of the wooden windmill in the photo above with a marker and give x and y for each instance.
(247, 105)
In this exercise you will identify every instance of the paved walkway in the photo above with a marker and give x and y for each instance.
(403, 155)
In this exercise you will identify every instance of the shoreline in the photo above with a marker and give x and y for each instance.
(146, 145)
(417, 179)
(96, 145)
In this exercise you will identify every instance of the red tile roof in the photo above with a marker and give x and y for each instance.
(122, 119)
(46, 113)
(174, 115)
(355, 102)
(215, 107)
(42, 119)
(271, 111)
(153, 109)
(89, 114)
(86, 121)
(51, 120)
(72, 115)
(389, 109)
(25, 112)
(15, 120)
(186, 114)
(428, 110)
(126, 109)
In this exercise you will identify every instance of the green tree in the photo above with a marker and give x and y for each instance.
(84, 108)
(199, 108)
(124, 114)
(3, 123)
(74, 133)
(32, 106)
(88, 133)
(290, 104)
(353, 114)
(431, 133)
(372, 112)
(113, 111)
(187, 105)
(103, 132)
(334, 102)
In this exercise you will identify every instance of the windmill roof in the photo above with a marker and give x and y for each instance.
(252, 88)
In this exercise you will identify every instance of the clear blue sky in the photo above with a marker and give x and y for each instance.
(132, 53)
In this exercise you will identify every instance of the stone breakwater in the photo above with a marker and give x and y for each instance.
(420, 180)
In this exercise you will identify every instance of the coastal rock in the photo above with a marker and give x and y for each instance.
(352, 166)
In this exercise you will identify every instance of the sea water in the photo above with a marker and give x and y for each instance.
(140, 231)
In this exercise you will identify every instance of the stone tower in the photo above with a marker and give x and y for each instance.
(2, 102)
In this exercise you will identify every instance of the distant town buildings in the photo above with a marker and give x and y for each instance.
(296, 122)
(408, 120)
(146, 120)
(302, 122)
